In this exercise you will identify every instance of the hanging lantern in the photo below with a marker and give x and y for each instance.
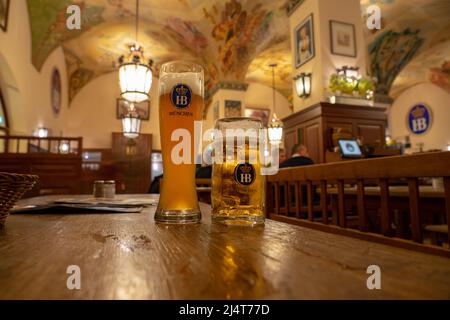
(135, 78)
(276, 125)
(275, 130)
(131, 124)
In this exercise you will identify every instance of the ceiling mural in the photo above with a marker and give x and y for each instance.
(224, 36)
(235, 40)
(417, 56)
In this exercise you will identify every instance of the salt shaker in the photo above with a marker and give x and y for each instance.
(109, 189)
(98, 188)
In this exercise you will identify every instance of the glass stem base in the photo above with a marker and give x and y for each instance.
(170, 216)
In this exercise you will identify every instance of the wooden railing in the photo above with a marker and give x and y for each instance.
(338, 198)
(56, 160)
(31, 144)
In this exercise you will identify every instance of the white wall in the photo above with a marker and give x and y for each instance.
(324, 63)
(438, 136)
(27, 91)
(257, 95)
(92, 113)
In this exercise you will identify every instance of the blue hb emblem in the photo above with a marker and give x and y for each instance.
(181, 96)
(244, 174)
(419, 119)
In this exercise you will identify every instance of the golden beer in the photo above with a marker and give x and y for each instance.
(180, 104)
(238, 187)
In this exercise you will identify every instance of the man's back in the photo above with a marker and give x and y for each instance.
(296, 162)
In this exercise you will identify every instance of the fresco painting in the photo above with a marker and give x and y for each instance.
(234, 40)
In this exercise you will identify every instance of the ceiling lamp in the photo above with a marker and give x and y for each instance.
(303, 85)
(135, 77)
(131, 124)
(276, 125)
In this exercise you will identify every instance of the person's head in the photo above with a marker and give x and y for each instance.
(281, 155)
(300, 149)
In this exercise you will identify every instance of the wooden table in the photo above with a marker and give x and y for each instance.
(128, 256)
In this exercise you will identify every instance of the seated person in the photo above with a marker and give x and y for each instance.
(201, 172)
(300, 157)
(281, 155)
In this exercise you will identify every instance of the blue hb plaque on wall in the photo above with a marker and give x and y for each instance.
(419, 118)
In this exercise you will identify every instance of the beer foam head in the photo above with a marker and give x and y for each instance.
(193, 80)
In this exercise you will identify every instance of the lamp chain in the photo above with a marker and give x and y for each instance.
(137, 21)
(273, 87)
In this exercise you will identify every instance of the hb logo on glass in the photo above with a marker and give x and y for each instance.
(244, 174)
(181, 96)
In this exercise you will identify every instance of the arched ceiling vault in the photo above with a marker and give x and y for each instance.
(235, 40)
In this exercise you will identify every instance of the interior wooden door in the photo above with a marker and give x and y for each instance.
(133, 162)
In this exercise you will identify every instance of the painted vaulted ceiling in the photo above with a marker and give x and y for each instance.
(235, 40)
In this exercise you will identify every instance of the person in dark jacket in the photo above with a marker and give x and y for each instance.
(201, 172)
(300, 157)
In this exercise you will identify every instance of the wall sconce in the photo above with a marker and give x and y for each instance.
(350, 73)
(303, 85)
(42, 132)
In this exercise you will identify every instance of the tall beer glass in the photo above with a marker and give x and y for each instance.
(238, 187)
(180, 104)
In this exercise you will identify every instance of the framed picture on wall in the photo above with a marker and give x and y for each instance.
(4, 10)
(56, 91)
(262, 114)
(233, 108)
(304, 41)
(343, 39)
(142, 108)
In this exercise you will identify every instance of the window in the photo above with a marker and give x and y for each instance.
(3, 116)
(157, 166)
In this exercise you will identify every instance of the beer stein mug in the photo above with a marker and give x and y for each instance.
(238, 187)
(180, 106)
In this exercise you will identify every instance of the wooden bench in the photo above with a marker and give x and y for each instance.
(332, 180)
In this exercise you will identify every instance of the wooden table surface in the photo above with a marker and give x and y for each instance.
(128, 256)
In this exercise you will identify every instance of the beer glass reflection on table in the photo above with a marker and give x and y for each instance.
(180, 105)
(238, 187)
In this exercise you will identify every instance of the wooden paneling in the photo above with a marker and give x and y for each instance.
(133, 162)
(313, 142)
(372, 134)
(366, 122)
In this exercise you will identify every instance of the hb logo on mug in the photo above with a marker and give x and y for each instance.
(244, 174)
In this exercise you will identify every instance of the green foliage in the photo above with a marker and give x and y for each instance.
(362, 87)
